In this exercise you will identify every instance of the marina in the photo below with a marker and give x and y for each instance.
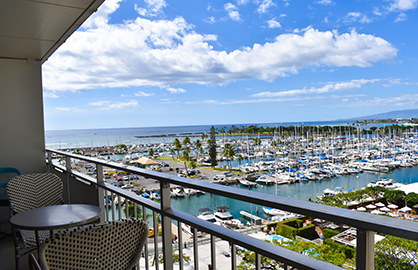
(299, 167)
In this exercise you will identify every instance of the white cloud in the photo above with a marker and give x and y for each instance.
(345, 100)
(377, 12)
(143, 94)
(66, 109)
(403, 5)
(50, 94)
(176, 90)
(325, 2)
(298, 31)
(168, 52)
(99, 103)
(357, 17)
(242, 2)
(401, 17)
(154, 7)
(101, 17)
(210, 20)
(232, 12)
(108, 105)
(330, 87)
(252, 101)
(273, 23)
(265, 5)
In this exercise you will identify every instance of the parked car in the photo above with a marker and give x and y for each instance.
(219, 177)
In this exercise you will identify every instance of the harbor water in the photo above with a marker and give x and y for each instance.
(301, 191)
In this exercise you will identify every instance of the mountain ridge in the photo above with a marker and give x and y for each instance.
(388, 115)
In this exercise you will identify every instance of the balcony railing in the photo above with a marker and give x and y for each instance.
(366, 224)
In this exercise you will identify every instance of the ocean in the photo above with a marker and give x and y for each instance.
(65, 139)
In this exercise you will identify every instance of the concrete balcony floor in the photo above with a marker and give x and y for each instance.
(7, 255)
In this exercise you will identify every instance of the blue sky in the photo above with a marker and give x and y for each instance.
(137, 63)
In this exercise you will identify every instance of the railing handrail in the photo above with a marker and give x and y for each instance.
(365, 221)
(300, 261)
(263, 248)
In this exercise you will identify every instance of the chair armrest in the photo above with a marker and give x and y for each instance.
(33, 263)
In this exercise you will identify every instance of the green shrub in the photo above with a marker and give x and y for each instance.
(293, 227)
(328, 233)
(299, 223)
(285, 230)
(349, 252)
(307, 232)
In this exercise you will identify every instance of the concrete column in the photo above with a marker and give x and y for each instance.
(22, 139)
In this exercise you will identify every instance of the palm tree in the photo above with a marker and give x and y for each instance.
(228, 152)
(186, 141)
(198, 145)
(192, 164)
(185, 157)
(177, 146)
(78, 152)
(240, 159)
(151, 152)
(131, 211)
(172, 152)
(257, 141)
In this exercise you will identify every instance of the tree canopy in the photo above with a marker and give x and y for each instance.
(212, 147)
(395, 253)
(177, 146)
(229, 153)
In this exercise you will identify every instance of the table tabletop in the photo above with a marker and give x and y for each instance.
(56, 217)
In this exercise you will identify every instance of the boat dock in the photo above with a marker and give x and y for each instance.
(257, 220)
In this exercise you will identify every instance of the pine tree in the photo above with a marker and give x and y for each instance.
(212, 147)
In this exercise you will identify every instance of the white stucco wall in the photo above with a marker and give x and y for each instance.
(22, 140)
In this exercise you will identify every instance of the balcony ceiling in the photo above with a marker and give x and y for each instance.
(31, 29)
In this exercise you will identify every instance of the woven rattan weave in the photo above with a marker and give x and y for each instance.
(112, 245)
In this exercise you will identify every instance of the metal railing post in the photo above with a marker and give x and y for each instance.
(180, 242)
(156, 255)
(365, 250)
(233, 255)
(146, 251)
(49, 156)
(213, 251)
(166, 226)
(195, 249)
(257, 261)
(100, 192)
(68, 172)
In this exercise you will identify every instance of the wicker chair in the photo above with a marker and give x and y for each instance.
(111, 245)
(30, 191)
